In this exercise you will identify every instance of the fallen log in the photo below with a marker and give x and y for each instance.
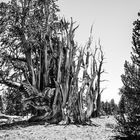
(9, 118)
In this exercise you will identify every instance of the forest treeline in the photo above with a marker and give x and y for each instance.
(13, 106)
(109, 108)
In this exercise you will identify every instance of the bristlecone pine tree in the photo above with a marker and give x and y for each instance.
(129, 120)
(41, 60)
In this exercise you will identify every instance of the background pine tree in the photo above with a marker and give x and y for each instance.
(129, 119)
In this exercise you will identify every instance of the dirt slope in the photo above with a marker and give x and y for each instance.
(101, 130)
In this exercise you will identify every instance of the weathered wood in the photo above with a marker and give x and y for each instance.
(9, 118)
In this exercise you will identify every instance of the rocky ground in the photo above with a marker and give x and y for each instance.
(102, 129)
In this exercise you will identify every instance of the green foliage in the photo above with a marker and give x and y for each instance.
(122, 108)
(129, 120)
(13, 102)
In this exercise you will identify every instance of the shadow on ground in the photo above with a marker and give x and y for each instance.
(23, 124)
(16, 125)
(126, 137)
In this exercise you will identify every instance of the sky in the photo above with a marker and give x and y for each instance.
(113, 23)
